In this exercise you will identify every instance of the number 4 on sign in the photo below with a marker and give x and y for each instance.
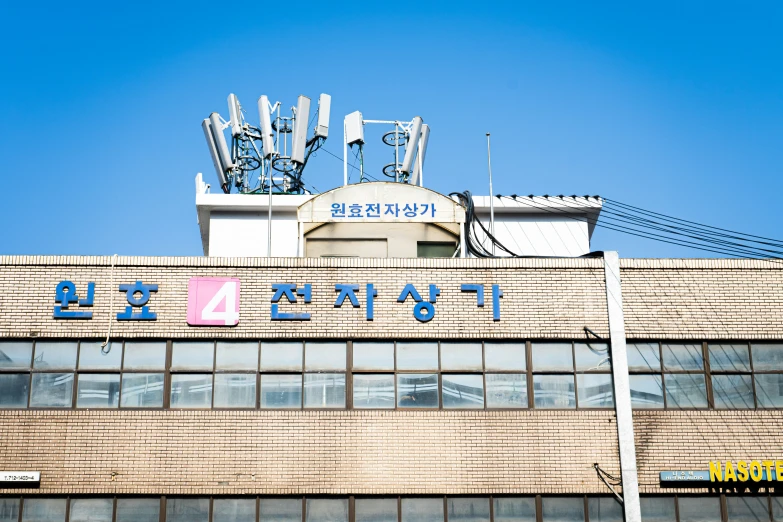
(213, 301)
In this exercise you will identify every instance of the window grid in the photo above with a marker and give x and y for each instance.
(714, 376)
(723, 365)
(487, 503)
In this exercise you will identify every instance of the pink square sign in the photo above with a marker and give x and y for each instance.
(213, 301)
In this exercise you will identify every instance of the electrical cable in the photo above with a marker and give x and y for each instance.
(731, 251)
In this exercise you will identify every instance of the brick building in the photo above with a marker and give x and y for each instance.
(387, 388)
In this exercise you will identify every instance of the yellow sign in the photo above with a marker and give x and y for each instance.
(746, 470)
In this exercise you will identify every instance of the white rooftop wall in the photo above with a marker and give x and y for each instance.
(234, 225)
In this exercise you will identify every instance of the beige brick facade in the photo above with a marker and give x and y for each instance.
(392, 452)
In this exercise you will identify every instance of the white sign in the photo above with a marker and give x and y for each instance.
(20, 476)
(381, 202)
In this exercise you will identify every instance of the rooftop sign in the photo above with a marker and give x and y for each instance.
(381, 202)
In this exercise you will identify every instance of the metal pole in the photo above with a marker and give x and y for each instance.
(269, 218)
(345, 155)
(491, 197)
(622, 388)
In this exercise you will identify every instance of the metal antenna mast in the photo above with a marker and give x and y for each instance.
(268, 157)
(408, 139)
(491, 197)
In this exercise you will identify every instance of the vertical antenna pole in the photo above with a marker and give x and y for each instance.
(269, 218)
(396, 154)
(491, 197)
(345, 155)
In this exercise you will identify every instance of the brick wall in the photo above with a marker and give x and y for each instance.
(401, 452)
(298, 452)
(688, 440)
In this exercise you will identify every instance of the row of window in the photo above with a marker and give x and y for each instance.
(424, 374)
(389, 509)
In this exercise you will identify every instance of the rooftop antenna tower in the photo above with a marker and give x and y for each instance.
(408, 140)
(269, 157)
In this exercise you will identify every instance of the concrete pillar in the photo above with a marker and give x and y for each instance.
(622, 388)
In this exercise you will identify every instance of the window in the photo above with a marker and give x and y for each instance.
(502, 508)
(426, 374)
(436, 249)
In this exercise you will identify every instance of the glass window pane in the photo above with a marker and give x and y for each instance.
(187, 509)
(145, 355)
(281, 356)
(769, 390)
(142, 390)
(91, 510)
(325, 356)
(376, 509)
(554, 391)
(460, 356)
(592, 356)
(657, 509)
(462, 391)
(92, 356)
(9, 509)
(138, 509)
(16, 355)
(43, 509)
(468, 509)
(682, 357)
(417, 390)
(234, 510)
(327, 510)
(562, 509)
(595, 390)
(729, 357)
(373, 356)
(14, 388)
(281, 391)
(54, 355)
(373, 390)
(646, 391)
(98, 390)
(417, 356)
(191, 391)
(732, 391)
(699, 509)
(643, 357)
(506, 390)
(192, 356)
(422, 510)
(552, 356)
(324, 390)
(280, 510)
(604, 509)
(515, 509)
(777, 506)
(765, 356)
(53, 390)
(236, 356)
(747, 509)
(685, 390)
(504, 356)
(235, 390)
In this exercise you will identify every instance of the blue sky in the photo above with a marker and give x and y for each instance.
(672, 106)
